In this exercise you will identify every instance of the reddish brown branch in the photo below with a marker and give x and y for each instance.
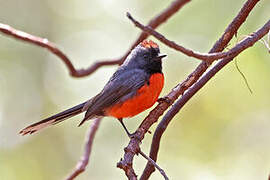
(158, 20)
(195, 88)
(230, 31)
(162, 172)
(45, 43)
(133, 146)
(209, 57)
(81, 165)
(154, 23)
(191, 91)
(37, 41)
(42, 42)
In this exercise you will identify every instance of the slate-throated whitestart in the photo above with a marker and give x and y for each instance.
(133, 88)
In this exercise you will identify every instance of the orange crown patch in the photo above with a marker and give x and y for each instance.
(149, 44)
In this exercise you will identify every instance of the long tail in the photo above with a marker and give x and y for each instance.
(57, 118)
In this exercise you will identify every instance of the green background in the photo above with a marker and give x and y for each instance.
(221, 133)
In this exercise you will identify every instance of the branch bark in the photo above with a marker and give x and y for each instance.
(209, 57)
(81, 165)
(194, 81)
(133, 146)
(45, 43)
(230, 31)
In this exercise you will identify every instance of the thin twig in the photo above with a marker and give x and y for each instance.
(243, 76)
(189, 52)
(162, 172)
(81, 165)
(158, 20)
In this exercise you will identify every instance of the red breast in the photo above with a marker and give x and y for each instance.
(146, 97)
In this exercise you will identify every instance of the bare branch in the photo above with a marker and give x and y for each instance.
(154, 23)
(158, 20)
(42, 42)
(230, 31)
(81, 165)
(134, 144)
(162, 172)
(45, 43)
(189, 52)
(200, 83)
(250, 40)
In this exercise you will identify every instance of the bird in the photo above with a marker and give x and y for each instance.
(134, 87)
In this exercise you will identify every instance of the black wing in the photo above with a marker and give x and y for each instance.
(123, 85)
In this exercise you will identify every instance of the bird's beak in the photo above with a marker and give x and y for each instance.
(161, 56)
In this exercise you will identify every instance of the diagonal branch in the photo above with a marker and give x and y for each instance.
(158, 20)
(249, 41)
(45, 43)
(134, 144)
(230, 31)
(198, 85)
(154, 23)
(81, 165)
(162, 172)
(209, 57)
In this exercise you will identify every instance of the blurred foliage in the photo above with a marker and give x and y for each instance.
(222, 133)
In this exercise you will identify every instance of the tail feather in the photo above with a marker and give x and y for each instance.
(57, 118)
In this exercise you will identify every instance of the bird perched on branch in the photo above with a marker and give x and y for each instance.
(133, 88)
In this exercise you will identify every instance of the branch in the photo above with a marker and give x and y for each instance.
(158, 20)
(81, 165)
(198, 85)
(162, 172)
(189, 52)
(230, 31)
(154, 23)
(45, 43)
(42, 42)
(134, 144)
(249, 41)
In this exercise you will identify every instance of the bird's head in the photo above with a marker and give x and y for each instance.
(146, 56)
